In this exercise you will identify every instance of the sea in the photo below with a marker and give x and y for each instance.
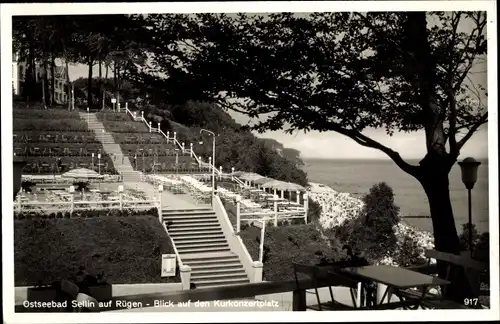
(357, 176)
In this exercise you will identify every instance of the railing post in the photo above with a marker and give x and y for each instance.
(298, 197)
(182, 147)
(257, 271)
(120, 194)
(168, 137)
(142, 114)
(135, 115)
(150, 126)
(306, 206)
(282, 194)
(126, 106)
(72, 200)
(232, 171)
(262, 235)
(175, 136)
(118, 105)
(220, 172)
(238, 216)
(275, 197)
(191, 149)
(185, 276)
(19, 208)
(159, 127)
(160, 212)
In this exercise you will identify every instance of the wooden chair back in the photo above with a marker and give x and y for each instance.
(460, 260)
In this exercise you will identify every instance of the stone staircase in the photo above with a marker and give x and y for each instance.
(201, 245)
(122, 164)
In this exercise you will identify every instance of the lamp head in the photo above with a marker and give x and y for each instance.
(469, 167)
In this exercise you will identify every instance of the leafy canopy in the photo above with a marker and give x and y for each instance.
(341, 72)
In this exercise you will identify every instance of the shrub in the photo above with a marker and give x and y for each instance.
(314, 211)
(126, 250)
(286, 245)
(480, 242)
(372, 232)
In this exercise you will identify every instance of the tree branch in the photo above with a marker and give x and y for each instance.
(453, 121)
(371, 143)
(472, 130)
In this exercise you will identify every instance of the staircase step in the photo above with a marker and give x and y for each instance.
(198, 229)
(220, 282)
(189, 246)
(232, 265)
(191, 220)
(180, 238)
(176, 234)
(188, 211)
(188, 217)
(201, 272)
(192, 224)
(180, 243)
(242, 275)
(204, 250)
(223, 284)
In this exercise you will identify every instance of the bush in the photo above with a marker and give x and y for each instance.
(480, 243)
(314, 211)
(372, 233)
(286, 245)
(127, 250)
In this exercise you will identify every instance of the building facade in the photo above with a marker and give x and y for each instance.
(61, 78)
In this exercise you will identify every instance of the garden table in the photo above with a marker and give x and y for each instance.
(395, 278)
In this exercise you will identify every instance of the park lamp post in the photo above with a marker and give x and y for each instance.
(213, 158)
(469, 168)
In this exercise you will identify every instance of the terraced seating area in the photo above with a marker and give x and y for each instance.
(49, 165)
(24, 137)
(43, 136)
(147, 151)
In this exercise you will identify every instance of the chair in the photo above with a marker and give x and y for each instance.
(317, 273)
(472, 269)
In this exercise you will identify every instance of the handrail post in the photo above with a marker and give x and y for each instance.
(185, 276)
(150, 126)
(160, 212)
(238, 216)
(175, 136)
(126, 106)
(168, 137)
(120, 194)
(275, 197)
(191, 149)
(158, 127)
(220, 172)
(262, 235)
(118, 106)
(19, 208)
(183, 147)
(306, 206)
(72, 201)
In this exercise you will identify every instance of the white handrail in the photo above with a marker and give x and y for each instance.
(211, 166)
(173, 245)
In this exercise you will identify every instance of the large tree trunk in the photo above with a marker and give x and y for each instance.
(434, 179)
(89, 84)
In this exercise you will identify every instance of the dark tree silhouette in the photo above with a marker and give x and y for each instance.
(344, 72)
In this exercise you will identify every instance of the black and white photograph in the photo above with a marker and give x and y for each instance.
(213, 160)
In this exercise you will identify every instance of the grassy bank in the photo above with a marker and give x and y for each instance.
(126, 250)
(285, 245)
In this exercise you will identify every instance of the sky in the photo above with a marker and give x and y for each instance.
(330, 145)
